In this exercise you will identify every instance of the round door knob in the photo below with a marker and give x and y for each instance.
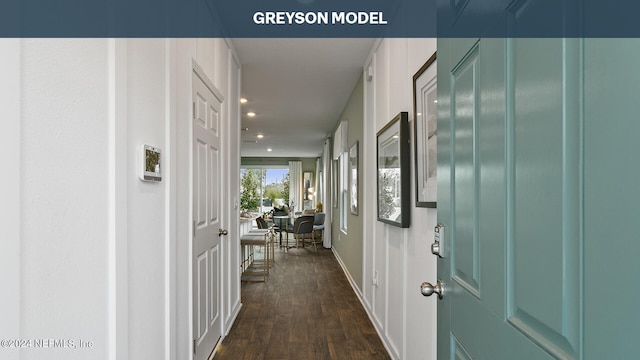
(222, 232)
(427, 289)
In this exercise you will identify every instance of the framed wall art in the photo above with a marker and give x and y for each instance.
(425, 101)
(393, 172)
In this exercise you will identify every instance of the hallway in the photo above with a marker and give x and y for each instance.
(305, 310)
(82, 110)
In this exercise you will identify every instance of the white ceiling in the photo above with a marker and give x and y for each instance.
(298, 89)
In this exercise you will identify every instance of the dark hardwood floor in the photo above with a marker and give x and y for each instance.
(305, 310)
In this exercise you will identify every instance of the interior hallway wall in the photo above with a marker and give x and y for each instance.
(348, 245)
(396, 261)
(146, 201)
(103, 257)
(64, 202)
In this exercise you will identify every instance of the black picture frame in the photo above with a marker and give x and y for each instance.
(393, 167)
(425, 141)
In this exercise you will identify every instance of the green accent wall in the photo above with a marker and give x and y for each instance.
(349, 246)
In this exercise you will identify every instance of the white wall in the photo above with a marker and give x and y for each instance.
(10, 189)
(401, 257)
(99, 255)
(146, 201)
(421, 263)
(64, 195)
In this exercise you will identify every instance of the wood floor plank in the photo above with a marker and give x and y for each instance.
(305, 310)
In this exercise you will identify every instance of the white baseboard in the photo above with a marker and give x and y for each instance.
(363, 302)
(233, 319)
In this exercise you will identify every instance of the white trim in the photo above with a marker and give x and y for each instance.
(183, 55)
(171, 236)
(386, 240)
(379, 331)
(221, 77)
(405, 289)
(10, 185)
(366, 280)
(197, 69)
(337, 141)
(370, 225)
(233, 150)
(372, 54)
(189, 255)
(232, 319)
(238, 300)
(235, 57)
(118, 333)
(327, 192)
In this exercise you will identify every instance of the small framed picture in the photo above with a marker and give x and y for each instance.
(393, 172)
(425, 100)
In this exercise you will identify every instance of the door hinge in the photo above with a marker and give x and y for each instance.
(194, 346)
(194, 229)
(194, 110)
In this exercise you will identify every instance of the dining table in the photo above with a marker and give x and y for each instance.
(279, 220)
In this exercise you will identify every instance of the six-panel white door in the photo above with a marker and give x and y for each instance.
(207, 179)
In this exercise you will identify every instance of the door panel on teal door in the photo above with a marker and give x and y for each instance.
(458, 351)
(492, 182)
(465, 261)
(543, 239)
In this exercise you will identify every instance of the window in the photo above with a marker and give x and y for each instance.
(344, 190)
(262, 189)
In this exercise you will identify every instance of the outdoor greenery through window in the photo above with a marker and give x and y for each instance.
(262, 189)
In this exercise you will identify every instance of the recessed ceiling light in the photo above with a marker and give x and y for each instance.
(251, 114)
(269, 149)
(435, 101)
(259, 136)
(243, 101)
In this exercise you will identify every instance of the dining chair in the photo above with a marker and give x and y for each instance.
(302, 226)
(318, 226)
(262, 223)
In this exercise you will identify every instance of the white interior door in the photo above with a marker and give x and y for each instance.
(206, 215)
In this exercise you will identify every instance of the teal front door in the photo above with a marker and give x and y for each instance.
(538, 193)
